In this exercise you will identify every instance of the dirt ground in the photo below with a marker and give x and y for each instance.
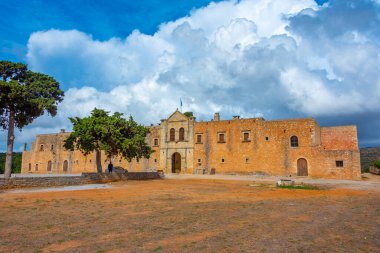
(176, 215)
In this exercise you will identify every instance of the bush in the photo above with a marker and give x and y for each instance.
(299, 187)
(376, 164)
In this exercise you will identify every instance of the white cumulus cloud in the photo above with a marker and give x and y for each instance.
(270, 58)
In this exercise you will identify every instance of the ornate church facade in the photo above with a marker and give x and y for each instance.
(292, 147)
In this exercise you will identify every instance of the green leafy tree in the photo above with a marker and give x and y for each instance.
(188, 114)
(24, 96)
(112, 134)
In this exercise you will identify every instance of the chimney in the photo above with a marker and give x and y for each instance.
(63, 130)
(236, 117)
(24, 147)
(216, 116)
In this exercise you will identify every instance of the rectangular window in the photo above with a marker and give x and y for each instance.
(246, 136)
(221, 137)
(199, 161)
(339, 163)
(155, 142)
(199, 138)
(247, 160)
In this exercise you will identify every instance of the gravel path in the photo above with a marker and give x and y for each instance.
(369, 182)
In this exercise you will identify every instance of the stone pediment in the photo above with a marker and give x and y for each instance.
(177, 116)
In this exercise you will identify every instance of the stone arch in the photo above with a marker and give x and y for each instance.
(65, 166)
(176, 163)
(302, 168)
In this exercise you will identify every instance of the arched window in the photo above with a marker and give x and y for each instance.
(181, 134)
(36, 168)
(42, 148)
(30, 167)
(172, 134)
(294, 141)
(65, 166)
(48, 166)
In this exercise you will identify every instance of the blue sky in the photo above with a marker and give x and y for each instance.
(103, 19)
(255, 58)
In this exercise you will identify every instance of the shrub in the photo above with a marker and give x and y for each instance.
(365, 169)
(376, 164)
(299, 187)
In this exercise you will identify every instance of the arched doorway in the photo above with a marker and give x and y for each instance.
(65, 166)
(176, 163)
(48, 166)
(302, 167)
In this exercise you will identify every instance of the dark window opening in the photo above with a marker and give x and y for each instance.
(294, 141)
(42, 148)
(48, 166)
(181, 134)
(30, 167)
(222, 160)
(339, 163)
(172, 134)
(199, 138)
(247, 160)
(221, 138)
(155, 160)
(51, 147)
(155, 142)
(36, 168)
(267, 138)
(246, 136)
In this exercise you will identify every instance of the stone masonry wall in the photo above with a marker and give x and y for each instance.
(339, 138)
(85, 178)
(267, 150)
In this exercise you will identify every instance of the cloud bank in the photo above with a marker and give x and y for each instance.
(269, 58)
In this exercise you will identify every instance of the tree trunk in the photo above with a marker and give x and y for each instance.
(10, 141)
(98, 161)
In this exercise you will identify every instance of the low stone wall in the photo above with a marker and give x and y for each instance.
(85, 178)
(374, 170)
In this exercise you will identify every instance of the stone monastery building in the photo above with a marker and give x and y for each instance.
(292, 147)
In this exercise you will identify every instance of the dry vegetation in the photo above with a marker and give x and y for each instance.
(190, 216)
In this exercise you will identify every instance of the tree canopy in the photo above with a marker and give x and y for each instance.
(188, 114)
(112, 134)
(24, 96)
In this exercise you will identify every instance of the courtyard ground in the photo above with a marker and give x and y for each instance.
(184, 214)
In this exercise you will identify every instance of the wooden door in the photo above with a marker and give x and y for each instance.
(302, 168)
